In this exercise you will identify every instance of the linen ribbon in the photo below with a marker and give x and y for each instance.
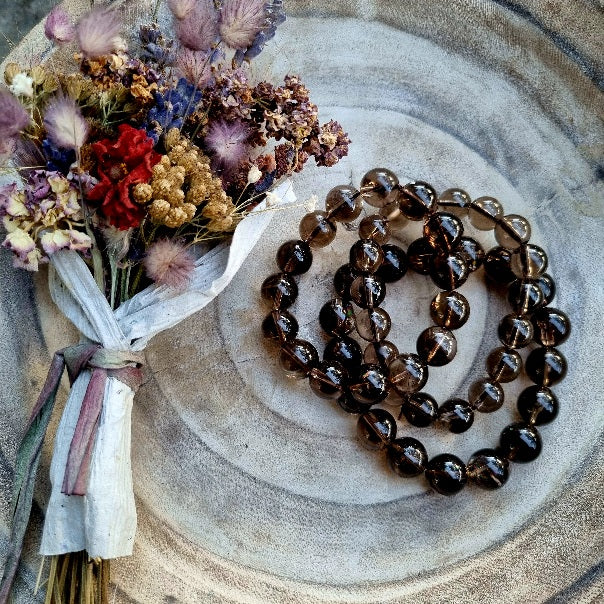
(123, 365)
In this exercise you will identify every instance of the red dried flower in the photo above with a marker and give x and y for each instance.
(121, 165)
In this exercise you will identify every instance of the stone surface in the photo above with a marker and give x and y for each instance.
(249, 488)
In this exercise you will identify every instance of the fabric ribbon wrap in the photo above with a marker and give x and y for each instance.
(92, 505)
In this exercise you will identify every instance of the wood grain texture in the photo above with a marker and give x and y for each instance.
(251, 490)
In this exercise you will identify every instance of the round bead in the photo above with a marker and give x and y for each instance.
(450, 309)
(419, 409)
(337, 317)
(294, 257)
(379, 187)
(328, 380)
(348, 404)
(443, 231)
(537, 405)
(317, 229)
(455, 201)
(528, 261)
(394, 265)
(552, 326)
(370, 385)
(472, 251)
(345, 351)
(456, 415)
(515, 331)
(524, 296)
(416, 200)
(368, 291)
(449, 272)
(487, 469)
(504, 365)
(484, 213)
(436, 346)
(497, 265)
(375, 227)
(392, 213)
(546, 366)
(298, 358)
(376, 429)
(366, 256)
(512, 231)
(280, 325)
(486, 395)
(408, 373)
(407, 457)
(344, 203)
(420, 254)
(343, 279)
(380, 353)
(548, 288)
(520, 442)
(281, 290)
(373, 324)
(446, 474)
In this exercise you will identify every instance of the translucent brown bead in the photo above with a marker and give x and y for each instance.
(488, 469)
(515, 331)
(294, 257)
(546, 366)
(417, 199)
(472, 252)
(368, 291)
(328, 380)
(537, 405)
(512, 231)
(449, 272)
(373, 324)
(552, 326)
(455, 201)
(524, 296)
(419, 409)
(407, 456)
(484, 213)
(369, 384)
(528, 261)
(456, 415)
(547, 286)
(348, 404)
(520, 442)
(420, 255)
(344, 203)
(486, 395)
(337, 317)
(408, 373)
(443, 231)
(366, 256)
(375, 227)
(504, 365)
(298, 358)
(450, 309)
(392, 213)
(317, 229)
(380, 353)
(280, 325)
(280, 289)
(346, 351)
(343, 279)
(379, 187)
(376, 429)
(436, 346)
(446, 474)
(497, 265)
(394, 266)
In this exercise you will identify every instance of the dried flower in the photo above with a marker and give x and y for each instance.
(58, 27)
(22, 85)
(227, 141)
(65, 125)
(169, 263)
(240, 22)
(118, 242)
(254, 175)
(98, 32)
(181, 8)
(13, 116)
(195, 66)
(200, 28)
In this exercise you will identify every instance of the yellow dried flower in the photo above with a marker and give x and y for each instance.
(10, 71)
(38, 73)
(221, 225)
(176, 218)
(142, 193)
(159, 210)
(50, 84)
(172, 138)
(190, 211)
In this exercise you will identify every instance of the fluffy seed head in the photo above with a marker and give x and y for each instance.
(240, 22)
(65, 125)
(169, 263)
(13, 116)
(98, 32)
(181, 8)
(199, 30)
(58, 27)
(195, 66)
(227, 141)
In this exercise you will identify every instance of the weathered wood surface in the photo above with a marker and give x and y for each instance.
(250, 489)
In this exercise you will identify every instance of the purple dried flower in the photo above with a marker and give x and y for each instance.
(98, 32)
(65, 125)
(169, 263)
(227, 141)
(200, 29)
(240, 22)
(181, 9)
(195, 66)
(13, 116)
(58, 27)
